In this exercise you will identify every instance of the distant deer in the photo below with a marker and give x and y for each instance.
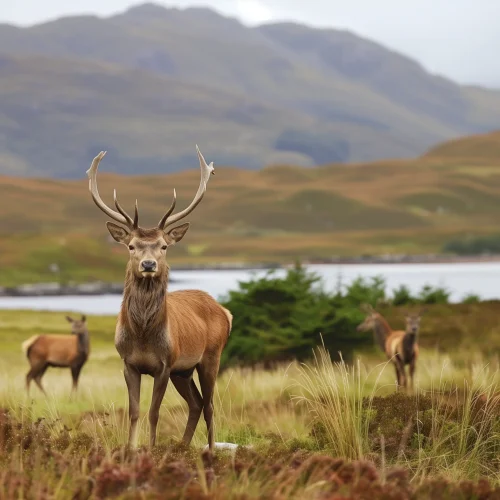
(60, 351)
(401, 346)
(161, 334)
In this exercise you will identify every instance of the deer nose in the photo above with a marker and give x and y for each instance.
(148, 265)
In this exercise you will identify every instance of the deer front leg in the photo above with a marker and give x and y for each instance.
(159, 388)
(404, 378)
(75, 374)
(133, 381)
(400, 373)
(412, 371)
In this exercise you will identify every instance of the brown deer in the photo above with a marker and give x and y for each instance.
(400, 346)
(60, 351)
(161, 334)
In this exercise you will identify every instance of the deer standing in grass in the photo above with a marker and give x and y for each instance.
(61, 351)
(161, 334)
(400, 346)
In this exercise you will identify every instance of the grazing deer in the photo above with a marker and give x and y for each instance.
(61, 351)
(161, 334)
(400, 346)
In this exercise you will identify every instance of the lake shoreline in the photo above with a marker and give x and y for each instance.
(54, 289)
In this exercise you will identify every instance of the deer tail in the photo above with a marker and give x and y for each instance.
(229, 318)
(28, 343)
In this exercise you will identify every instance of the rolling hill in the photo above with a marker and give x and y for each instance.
(151, 82)
(274, 214)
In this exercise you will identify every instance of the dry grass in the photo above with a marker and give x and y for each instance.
(291, 422)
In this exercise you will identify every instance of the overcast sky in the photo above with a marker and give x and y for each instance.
(455, 38)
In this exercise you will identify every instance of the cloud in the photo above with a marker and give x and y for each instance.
(455, 38)
(254, 12)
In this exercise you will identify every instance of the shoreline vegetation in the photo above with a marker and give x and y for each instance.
(54, 288)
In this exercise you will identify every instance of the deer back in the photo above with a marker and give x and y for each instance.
(198, 326)
(58, 350)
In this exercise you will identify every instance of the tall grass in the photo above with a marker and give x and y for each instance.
(294, 421)
(463, 440)
(334, 394)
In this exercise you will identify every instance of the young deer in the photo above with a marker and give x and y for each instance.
(400, 346)
(161, 334)
(61, 351)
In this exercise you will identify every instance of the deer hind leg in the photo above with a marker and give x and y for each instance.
(398, 376)
(38, 378)
(29, 377)
(133, 381)
(188, 390)
(207, 372)
(159, 388)
(36, 374)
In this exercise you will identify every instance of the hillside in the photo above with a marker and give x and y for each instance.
(150, 83)
(481, 148)
(275, 214)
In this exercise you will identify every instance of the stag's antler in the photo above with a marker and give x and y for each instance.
(121, 216)
(206, 171)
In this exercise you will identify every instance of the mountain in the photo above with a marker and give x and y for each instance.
(149, 84)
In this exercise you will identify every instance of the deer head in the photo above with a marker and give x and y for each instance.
(78, 326)
(413, 322)
(369, 322)
(147, 247)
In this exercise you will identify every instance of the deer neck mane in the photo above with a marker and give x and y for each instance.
(409, 341)
(83, 343)
(382, 330)
(144, 305)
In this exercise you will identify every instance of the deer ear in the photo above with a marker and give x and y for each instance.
(176, 234)
(69, 319)
(119, 234)
(367, 308)
(84, 318)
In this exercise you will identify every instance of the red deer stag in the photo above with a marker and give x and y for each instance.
(400, 346)
(166, 335)
(61, 351)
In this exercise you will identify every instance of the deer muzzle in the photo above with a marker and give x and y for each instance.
(148, 266)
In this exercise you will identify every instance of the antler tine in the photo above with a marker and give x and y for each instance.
(161, 224)
(206, 171)
(130, 222)
(136, 215)
(92, 175)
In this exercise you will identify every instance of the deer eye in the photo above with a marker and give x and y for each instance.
(164, 247)
(131, 247)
